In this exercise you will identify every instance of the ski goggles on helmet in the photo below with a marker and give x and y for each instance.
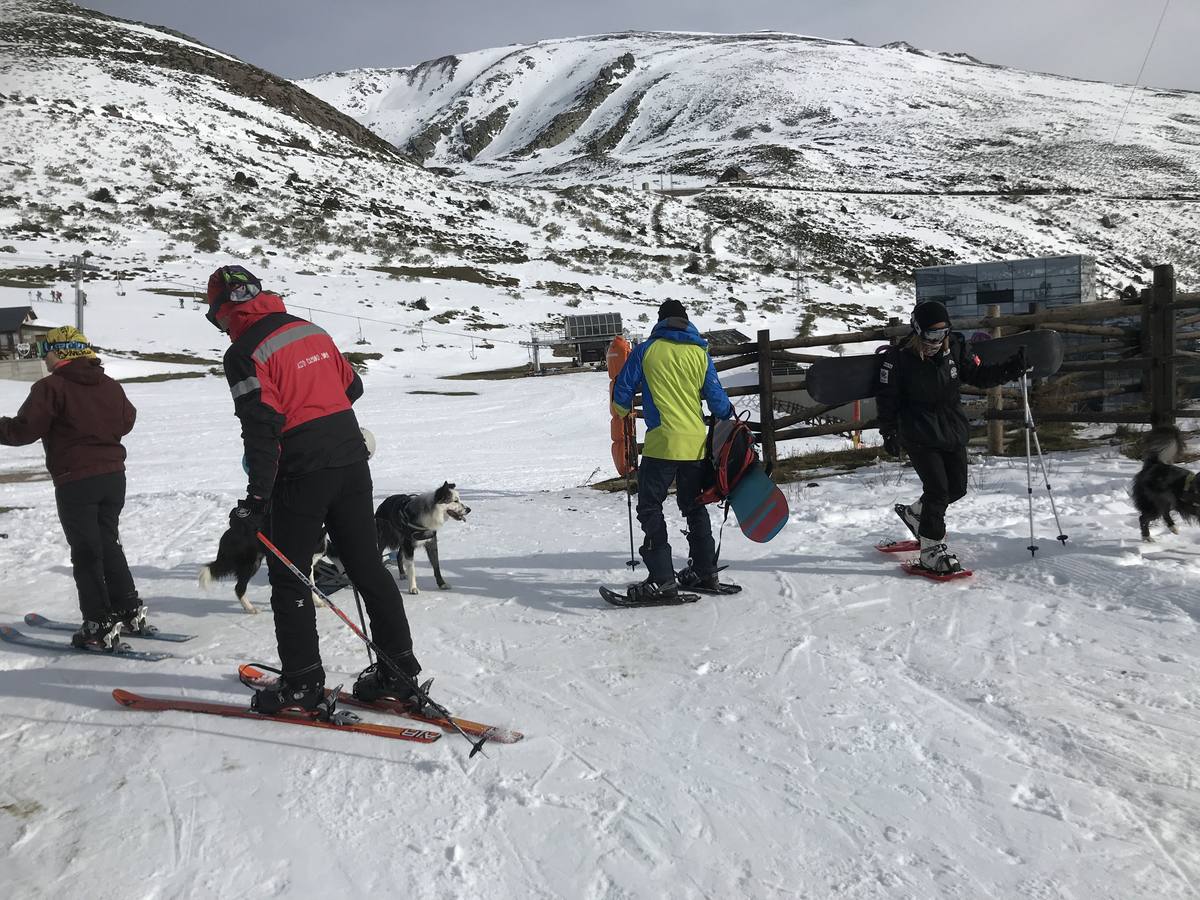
(45, 347)
(230, 284)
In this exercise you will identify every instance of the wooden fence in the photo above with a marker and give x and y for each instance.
(1141, 334)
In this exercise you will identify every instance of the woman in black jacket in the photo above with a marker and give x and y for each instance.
(920, 412)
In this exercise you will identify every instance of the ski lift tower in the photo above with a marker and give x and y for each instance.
(80, 266)
(591, 334)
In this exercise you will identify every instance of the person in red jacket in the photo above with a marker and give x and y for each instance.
(80, 415)
(307, 460)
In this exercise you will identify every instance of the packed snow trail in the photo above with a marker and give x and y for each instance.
(836, 729)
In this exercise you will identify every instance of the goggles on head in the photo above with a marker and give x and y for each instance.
(229, 284)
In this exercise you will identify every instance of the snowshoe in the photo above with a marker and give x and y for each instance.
(652, 592)
(102, 636)
(937, 558)
(690, 579)
(910, 516)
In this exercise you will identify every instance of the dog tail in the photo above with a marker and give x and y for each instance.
(206, 576)
(1163, 444)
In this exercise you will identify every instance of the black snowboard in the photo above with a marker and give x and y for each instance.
(848, 378)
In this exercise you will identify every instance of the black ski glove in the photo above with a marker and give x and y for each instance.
(891, 444)
(248, 518)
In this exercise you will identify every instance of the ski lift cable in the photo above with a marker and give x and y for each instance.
(1141, 71)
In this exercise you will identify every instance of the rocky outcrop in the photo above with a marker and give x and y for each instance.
(565, 124)
(478, 134)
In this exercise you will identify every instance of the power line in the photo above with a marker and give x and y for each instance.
(362, 318)
(1137, 81)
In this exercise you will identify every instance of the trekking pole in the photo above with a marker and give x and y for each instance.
(362, 620)
(476, 747)
(1032, 548)
(1041, 459)
(631, 461)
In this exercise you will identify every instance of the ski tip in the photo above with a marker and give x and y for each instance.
(124, 697)
(249, 671)
(8, 631)
(35, 619)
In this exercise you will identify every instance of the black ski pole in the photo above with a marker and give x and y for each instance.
(631, 461)
(1032, 548)
(632, 563)
(362, 620)
(476, 747)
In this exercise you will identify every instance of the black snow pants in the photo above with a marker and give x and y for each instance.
(654, 481)
(340, 501)
(90, 512)
(943, 475)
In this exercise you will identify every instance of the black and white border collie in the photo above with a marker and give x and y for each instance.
(1161, 487)
(241, 563)
(406, 521)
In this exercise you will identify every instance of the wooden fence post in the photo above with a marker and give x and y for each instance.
(995, 402)
(766, 408)
(1162, 343)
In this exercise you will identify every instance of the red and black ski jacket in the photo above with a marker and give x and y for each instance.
(292, 390)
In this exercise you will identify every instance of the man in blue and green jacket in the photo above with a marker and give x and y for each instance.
(673, 371)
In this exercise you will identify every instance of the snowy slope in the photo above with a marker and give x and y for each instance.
(793, 109)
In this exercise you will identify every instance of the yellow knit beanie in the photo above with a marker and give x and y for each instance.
(69, 343)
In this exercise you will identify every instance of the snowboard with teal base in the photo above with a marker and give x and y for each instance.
(759, 505)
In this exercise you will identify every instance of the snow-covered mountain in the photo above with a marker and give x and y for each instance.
(791, 109)
(165, 158)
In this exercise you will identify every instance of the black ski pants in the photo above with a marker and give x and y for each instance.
(654, 482)
(339, 500)
(90, 512)
(943, 475)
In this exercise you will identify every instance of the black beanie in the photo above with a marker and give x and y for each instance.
(671, 309)
(928, 313)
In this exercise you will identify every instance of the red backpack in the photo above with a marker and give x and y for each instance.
(731, 453)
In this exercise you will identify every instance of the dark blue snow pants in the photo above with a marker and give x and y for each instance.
(654, 481)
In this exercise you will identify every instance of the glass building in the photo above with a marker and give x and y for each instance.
(968, 290)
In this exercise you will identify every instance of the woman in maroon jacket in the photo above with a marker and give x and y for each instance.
(80, 416)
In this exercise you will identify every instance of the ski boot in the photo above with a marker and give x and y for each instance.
(378, 682)
(133, 621)
(937, 558)
(689, 579)
(652, 592)
(910, 516)
(304, 694)
(102, 636)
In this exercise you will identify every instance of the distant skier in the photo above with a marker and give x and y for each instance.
(920, 412)
(80, 416)
(673, 371)
(307, 461)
